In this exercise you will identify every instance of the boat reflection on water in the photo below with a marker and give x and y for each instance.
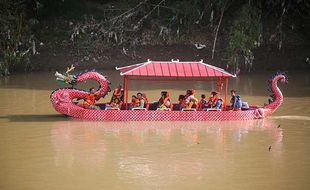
(163, 150)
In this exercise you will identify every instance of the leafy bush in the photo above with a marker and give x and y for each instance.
(16, 41)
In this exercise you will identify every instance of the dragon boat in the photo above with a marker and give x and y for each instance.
(63, 98)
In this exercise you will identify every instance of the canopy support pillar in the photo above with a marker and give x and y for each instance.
(226, 89)
(220, 85)
(126, 91)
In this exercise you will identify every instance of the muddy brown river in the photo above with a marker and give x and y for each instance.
(40, 149)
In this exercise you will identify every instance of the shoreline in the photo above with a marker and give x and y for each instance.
(266, 58)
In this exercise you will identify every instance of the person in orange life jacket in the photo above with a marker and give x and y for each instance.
(142, 100)
(191, 101)
(182, 103)
(90, 99)
(135, 101)
(164, 101)
(214, 101)
(161, 99)
(211, 100)
(118, 93)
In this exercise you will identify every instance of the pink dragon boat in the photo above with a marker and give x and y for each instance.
(63, 98)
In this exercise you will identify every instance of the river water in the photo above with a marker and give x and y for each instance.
(40, 149)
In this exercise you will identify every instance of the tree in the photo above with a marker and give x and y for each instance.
(245, 35)
(16, 40)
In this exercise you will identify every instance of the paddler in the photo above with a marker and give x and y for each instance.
(90, 99)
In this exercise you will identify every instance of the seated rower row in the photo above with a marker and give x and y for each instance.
(186, 102)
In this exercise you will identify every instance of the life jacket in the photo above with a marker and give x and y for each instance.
(214, 102)
(210, 101)
(135, 102)
(90, 100)
(182, 103)
(167, 102)
(190, 104)
(162, 106)
(190, 101)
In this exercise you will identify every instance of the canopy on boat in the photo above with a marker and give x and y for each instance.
(192, 69)
(174, 70)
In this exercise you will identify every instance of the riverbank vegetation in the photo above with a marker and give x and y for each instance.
(229, 30)
(16, 38)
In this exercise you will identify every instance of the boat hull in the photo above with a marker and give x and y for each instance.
(155, 115)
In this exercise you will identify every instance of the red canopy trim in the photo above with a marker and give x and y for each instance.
(191, 69)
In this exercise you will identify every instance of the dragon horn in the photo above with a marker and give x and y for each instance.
(70, 69)
(59, 75)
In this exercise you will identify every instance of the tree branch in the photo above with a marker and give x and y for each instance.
(217, 29)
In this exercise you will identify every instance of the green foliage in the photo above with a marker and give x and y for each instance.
(91, 26)
(245, 34)
(15, 36)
